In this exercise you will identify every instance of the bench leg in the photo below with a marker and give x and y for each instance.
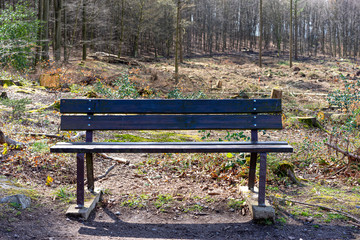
(252, 170)
(90, 172)
(262, 180)
(80, 180)
(89, 161)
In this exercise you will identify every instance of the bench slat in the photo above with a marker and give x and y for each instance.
(170, 122)
(168, 147)
(177, 106)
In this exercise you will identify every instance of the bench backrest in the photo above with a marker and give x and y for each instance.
(156, 114)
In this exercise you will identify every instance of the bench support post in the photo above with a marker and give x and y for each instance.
(89, 164)
(80, 180)
(262, 180)
(253, 159)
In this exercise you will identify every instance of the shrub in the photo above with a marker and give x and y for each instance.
(18, 28)
(18, 106)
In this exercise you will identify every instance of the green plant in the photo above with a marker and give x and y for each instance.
(236, 203)
(194, 208)
(65, 194)
(18, 29)
(40, 147)
(134, 201)
(18, 106)
(163, 201)
(177, 94)
(124, 88)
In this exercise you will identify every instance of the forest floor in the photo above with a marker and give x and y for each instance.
(182, 196)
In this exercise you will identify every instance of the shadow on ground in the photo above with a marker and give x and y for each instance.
(243, 230)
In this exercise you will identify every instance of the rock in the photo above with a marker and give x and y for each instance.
(4, 95)
(339, 118)
(50, 80)
(117, 213)
(296, 69)
(91, 94)
(19, 199)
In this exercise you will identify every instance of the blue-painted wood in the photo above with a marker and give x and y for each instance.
(170, 122)
(168, 147)
(167, 106)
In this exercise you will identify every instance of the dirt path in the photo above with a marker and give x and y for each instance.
(105, 224)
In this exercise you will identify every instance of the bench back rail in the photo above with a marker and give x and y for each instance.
(170, 114)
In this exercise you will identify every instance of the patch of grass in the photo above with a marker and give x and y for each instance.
(153, 136)
(134, 201)
(284, 63)
(332, 216)
(281, 220)
(194, 208)
(163, 201)
(31, 193)
(236, 204)
(18, 106)
(40, 147)
(65, 194)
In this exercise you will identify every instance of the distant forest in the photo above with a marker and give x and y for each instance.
(155, 27)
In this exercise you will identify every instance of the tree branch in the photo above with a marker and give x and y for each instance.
(346, 153)
(323, 207)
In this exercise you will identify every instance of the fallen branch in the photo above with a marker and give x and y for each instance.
(346, 153)
(322, 207)
(106, 173)
(43, 134)
(54, 106)
(79, 135)
(10, 142)
(118, 160)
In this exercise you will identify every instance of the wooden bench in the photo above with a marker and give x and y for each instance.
(150, 114)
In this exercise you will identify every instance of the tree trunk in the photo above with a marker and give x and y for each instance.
(65, 32)
(84, 30)
(291, 34)
(39, 34)
(57, 37)
(177, 42)
(121, 27)
(139, 26)
(45, 32)
(296, 30)
(261, 32)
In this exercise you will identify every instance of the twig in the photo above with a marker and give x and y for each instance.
(106, 173)
(119, 160)
(43, 134)
(323, 207)
(346, 153)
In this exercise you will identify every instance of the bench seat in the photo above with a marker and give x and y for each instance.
(171, 147)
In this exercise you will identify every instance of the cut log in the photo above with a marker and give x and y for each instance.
(112, 58)
(276, 93)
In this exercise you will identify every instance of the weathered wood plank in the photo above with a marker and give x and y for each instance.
(147, 147)
(170, 122)
(167, 106)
